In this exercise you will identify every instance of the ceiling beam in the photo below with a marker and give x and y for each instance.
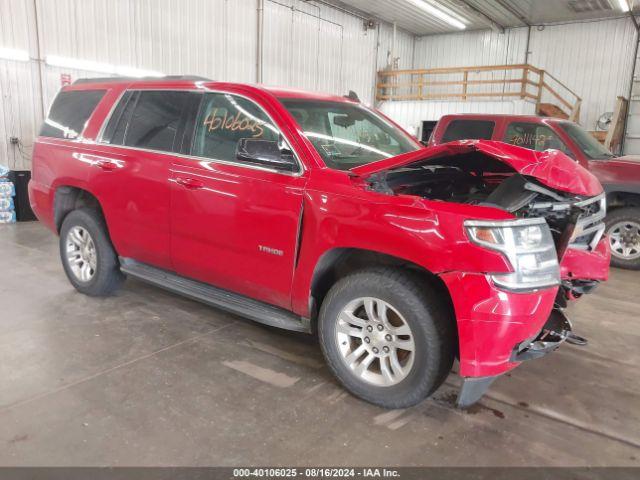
(514, 12)
(480, 14)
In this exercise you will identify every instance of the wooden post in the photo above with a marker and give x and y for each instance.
(465, 79)
(574, 116)
(614, 134)
(540, 87)
(525, 75)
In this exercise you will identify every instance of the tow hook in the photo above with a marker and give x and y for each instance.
(574, 339)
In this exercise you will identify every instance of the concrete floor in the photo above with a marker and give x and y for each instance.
(150, 378)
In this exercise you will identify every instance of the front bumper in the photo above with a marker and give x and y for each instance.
(497, 329)
(492, 321)
(554, 333)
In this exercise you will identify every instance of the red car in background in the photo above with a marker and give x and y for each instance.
(620, 176)
(313, 213)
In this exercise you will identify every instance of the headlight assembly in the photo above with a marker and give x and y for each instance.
(528, 246)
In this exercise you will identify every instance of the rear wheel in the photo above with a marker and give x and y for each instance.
(386, 337)
(88, 258)
(623, 229)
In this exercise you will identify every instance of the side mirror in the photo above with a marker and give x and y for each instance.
(265, 153)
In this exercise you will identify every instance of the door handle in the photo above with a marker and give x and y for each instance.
(106, 165)
(190, 183)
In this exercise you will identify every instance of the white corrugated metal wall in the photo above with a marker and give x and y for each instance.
(410, 115)
(594, 59)
(306, 45)
(20, 108)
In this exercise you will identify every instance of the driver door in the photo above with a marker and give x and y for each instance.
(233, 224)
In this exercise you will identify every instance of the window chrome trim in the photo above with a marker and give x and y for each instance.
(99, 141)
(205, 159)
(106, 120)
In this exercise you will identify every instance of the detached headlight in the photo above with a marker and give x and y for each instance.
(527, 244)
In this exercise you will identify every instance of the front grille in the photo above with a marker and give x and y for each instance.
(589, 226)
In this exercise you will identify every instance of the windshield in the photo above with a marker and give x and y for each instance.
(347, 135)
(591, 148)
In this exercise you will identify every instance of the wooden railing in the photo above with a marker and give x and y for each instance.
(464, 83)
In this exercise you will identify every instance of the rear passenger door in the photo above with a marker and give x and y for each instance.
(235, 224)
(131, 171)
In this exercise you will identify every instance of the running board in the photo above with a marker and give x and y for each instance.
(205, 293)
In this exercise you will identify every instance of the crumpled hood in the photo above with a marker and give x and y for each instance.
(551, 167)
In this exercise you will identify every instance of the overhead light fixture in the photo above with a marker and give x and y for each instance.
(98, 67)
(14, 54)
(624, 5)
(445, 17)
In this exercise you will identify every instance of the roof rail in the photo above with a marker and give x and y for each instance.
(166, 78)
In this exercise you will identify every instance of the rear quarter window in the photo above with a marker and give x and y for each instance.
(69, 113)
(468, 130)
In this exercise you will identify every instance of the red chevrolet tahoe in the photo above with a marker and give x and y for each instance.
(620, 176)
(314, 213)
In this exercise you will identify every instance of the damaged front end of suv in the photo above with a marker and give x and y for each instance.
(549, 232)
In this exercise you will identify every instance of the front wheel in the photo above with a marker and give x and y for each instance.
(623, 229)
(386, 337)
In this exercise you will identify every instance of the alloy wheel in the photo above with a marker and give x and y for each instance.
(624, 238)
(375, 341)
(81, 254)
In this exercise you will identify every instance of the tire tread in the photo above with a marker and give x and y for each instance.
(410, 288)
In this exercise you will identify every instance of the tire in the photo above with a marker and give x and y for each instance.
(408, 300)
(624, 221)
(100, 274)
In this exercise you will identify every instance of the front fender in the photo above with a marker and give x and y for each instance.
(405, 228)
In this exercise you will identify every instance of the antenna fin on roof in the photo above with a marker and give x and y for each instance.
(353, 96)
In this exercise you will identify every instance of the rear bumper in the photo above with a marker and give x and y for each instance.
(41, 203)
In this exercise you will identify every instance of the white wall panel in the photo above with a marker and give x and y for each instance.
(214, 38)
(20, 107)
(593, 59)
(306, 44)
(476, 48)
(471, 48)
(404, 47)
(358, 54)
(410, 114)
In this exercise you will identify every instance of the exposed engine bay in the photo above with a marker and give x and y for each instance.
(479, 179)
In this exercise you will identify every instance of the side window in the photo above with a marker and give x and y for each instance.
(115, 129)
(155, 120)
(534, 137)
(469, 130)
(224, 120)
(69, 113)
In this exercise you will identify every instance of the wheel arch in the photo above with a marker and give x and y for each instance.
(68, 198)
(622, 198)
(341, 261)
